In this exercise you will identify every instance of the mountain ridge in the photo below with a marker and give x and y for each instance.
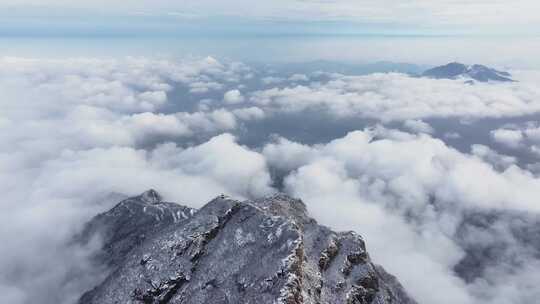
(267, 250)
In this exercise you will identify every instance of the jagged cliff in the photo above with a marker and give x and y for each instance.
(260, 251)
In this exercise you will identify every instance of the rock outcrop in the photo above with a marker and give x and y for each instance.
(260, 251)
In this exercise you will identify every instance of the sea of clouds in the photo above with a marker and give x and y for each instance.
(454, 225)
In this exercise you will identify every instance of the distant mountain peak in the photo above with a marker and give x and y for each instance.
(477, 72)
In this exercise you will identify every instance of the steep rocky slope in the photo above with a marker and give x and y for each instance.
(261, 251)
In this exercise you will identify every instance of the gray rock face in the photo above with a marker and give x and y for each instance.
(261, 251)
(476, 72)
(130, 223)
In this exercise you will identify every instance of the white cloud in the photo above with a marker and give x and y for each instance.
(423, 166)
(75, 130)
(390, 97)
(333, 198)
(251, 113)
(370, 181)
(536, 150)
(127, 84)
(48, 202)
(85, 103)
(272, 80)
(452, 135)
(298, 78)
(287, 155)
(201, 87)
(80, 125)
(526, 136)
(510, 138)
(498, 160)
(233, 97)
(97, 127)
(532, 132)
(418, 126)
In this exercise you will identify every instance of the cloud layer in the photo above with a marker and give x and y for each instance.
(74, 131)
(524, 136)
(410, 196)
(389, 97)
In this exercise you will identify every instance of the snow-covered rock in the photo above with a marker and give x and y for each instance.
(261, 251)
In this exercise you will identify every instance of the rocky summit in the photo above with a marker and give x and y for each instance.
(260, 251)
(476, 72)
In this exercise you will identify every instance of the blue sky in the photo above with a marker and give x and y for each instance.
(238, 17)
(417, 31)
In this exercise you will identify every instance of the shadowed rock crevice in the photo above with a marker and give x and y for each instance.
(262, 251)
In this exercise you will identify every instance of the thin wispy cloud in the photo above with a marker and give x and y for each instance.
(487, 16)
